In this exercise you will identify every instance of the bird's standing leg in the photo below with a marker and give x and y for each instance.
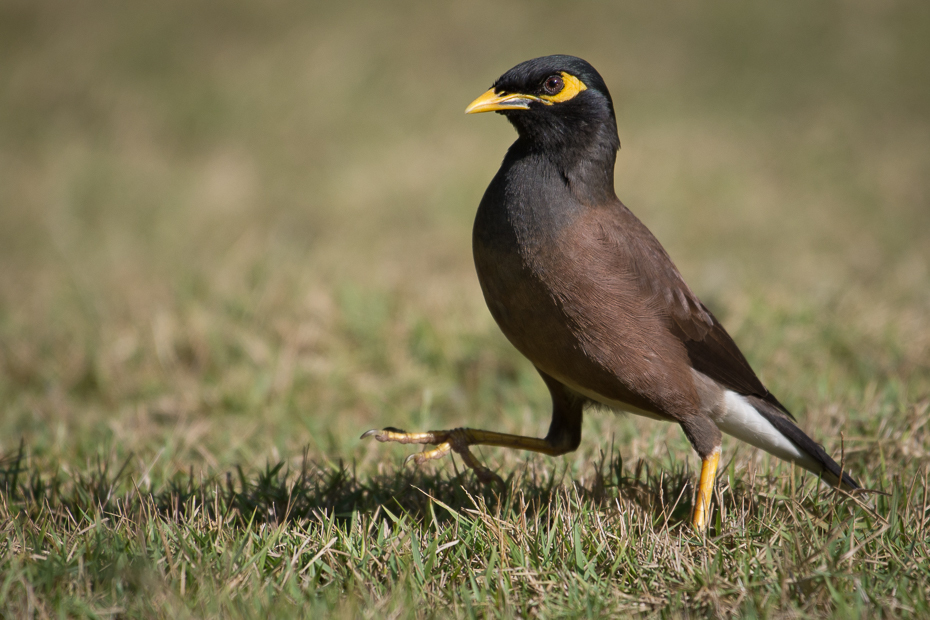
(705, 490)
(564, 435)
(705, 438)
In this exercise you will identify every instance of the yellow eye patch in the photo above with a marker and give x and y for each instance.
(572, 86)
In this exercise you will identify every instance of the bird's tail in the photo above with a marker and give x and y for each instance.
(765, 426)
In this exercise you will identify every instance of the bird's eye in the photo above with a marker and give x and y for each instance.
(554, 84)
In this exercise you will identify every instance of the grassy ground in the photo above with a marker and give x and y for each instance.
(234, 236)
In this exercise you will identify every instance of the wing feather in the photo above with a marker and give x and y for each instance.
(710, 348)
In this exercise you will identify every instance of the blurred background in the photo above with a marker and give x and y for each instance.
(233, 230)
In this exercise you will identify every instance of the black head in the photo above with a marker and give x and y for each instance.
(556, 102)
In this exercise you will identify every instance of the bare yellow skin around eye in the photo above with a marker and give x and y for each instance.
(572, 87)
(493, 101)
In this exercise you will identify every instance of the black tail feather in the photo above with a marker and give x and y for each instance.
(832, 472)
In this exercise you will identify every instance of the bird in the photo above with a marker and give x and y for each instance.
(586, 292)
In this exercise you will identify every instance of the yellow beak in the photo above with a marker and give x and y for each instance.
(494, 102)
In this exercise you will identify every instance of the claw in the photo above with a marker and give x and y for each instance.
(456, 440)
(428, 455)
(384, 434)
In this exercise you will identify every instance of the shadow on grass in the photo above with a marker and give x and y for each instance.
(279, 493)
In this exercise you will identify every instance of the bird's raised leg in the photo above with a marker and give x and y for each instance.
(564, 435)
(458, 440)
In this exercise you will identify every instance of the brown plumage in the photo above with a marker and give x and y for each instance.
(586, 292)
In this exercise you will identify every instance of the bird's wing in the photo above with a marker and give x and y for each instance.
(710, 348)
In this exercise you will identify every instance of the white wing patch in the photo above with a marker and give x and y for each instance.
(741, 420)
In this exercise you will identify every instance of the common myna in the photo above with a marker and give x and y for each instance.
(582, 288)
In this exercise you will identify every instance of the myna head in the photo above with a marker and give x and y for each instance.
(556, 102)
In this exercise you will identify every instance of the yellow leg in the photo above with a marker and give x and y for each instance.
(458, 440)
(705, 490)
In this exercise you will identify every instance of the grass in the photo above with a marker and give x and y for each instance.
(322, 539)
(234, 238)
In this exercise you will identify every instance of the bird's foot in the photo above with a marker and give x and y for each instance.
(455, 440)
